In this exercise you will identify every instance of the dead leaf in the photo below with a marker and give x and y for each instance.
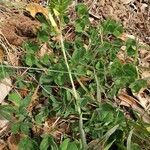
(56, 127)
(126, 1)
(125, 36)
(2, 55)
(146, 75)
(136, 106)
(13, 58)
(13, 141)
(4, 127)
(143, 7)
(44, 50)
(128, 99)
(123, 57)
(24, 92)
(3, 123)
(102, 2)
(143, 98)
(84, 79)
(5, 88)
(3, 145)
(35, 8)
(143, 52)
(145, 62)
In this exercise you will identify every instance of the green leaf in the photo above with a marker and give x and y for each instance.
(106, 113)
(40, 117)
(81, 9)
(59, 5)
(72, 146)
(15, 127)
(66, 19)
(83, 19)
(45, 60)
(118, 30)
(104, 48)
(110, 132)
(119, 83)
(79, 51)
(129, 140)
(94, 36)
(112, 27)
(25, 127)
(45, 79)
(107, 107)
(60, 79)
(113, 91)
(131, 47)
(109, 145)
(27, 144)
(116, 69)
(6, 111)
(53, 144)
(15, 98)
(64, 145)
(30, 59)
(5, 72)
(115, 48)
(31, 47)
(131, 51)
(81, 24)
(100, 65)
(43, 36)
(135, 147)
(130, 71)
(24, 103)
(45, 143)
(137, 85)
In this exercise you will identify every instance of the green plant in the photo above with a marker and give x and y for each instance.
(80, 79)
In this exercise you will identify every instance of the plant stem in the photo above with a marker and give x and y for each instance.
(68, 68)
(82, 133)
(59, 31)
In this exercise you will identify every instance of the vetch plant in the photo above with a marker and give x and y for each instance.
(65, 100)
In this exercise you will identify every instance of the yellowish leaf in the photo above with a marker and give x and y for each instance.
(34, 8)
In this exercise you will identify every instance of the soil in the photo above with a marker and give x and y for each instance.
(17, 27)
(135, 16)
